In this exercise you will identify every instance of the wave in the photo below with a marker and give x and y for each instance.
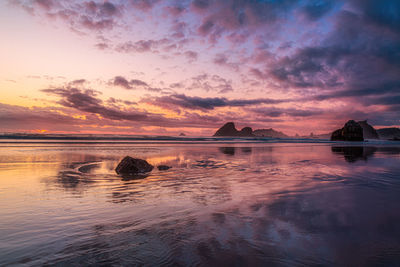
(122, 139)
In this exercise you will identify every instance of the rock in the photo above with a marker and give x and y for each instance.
(163, 167)
(337, 135)
(246, 131)
(368, 131)
(182, 134)
(271, 133)
(229, 129)
(129, 165)
(352, 131)
(389, 133)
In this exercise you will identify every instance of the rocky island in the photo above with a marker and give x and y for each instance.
(351, 131)
(230, 130)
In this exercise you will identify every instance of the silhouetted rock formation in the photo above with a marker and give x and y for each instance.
(246, 131)
(229, 129)
(368, 131)
(352, 131)
(129, 165)
(389, 133)
(182, 134)
(269, 133)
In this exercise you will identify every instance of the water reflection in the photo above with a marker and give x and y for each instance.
(354, 153)
(228, 150)
(231, 150)
(264, 204)
(129, 177)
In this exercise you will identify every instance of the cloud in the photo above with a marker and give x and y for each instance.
(143, 5)
(15, 117)
(206, 82)
(206, 103)
(290, 112)
(78, 82)
(222, 60)
(316, 9)
(348, 63)
(191, 55)
(321, 52)
(124, 83)
(80, 16)
(102, 46)
(87, 101)
(121, 81)
(142, 46)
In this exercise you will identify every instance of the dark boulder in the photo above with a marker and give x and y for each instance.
(163, 167)
(352, 131)
(129, 165)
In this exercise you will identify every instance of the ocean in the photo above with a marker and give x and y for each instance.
(224, 202)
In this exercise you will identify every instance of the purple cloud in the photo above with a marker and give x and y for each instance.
(206, 103)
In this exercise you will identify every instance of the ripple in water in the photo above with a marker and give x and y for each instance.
(243, 205)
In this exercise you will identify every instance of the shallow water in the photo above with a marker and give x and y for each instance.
(284, 204)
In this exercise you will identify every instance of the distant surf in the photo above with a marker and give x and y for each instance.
(145, 139)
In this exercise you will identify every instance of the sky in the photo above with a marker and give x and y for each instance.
(166, 67)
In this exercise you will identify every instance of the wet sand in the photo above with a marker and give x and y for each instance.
(284, 204)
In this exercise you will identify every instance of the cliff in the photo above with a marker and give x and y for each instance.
(368, 131)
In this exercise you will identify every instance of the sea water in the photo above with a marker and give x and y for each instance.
(224, 202)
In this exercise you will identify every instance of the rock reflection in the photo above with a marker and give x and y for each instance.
(350, 227)
(354, 153)
(77, 174)
(247, 150)
(130, 177)
(230, 150)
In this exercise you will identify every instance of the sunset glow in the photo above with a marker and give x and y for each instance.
(166, 67)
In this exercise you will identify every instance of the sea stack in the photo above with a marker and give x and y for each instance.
(352, 131)
(368, 131)
(229, 129)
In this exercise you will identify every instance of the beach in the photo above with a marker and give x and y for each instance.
(226, 202)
